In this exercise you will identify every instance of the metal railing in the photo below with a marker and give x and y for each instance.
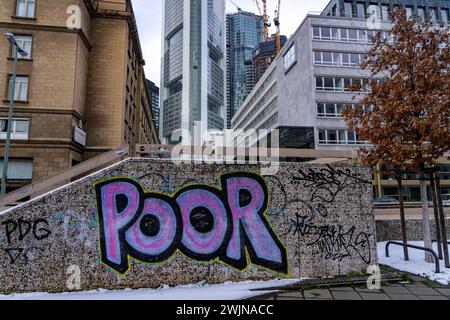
(38, 188)
(395, 243)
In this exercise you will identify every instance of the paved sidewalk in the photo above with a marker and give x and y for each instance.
(416, 288)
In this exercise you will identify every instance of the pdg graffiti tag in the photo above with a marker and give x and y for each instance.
(202, 222)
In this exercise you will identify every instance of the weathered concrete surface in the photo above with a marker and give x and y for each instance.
(323, 216)
(388, 230)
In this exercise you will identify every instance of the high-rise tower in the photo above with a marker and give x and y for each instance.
(193, 68)
(244, 33)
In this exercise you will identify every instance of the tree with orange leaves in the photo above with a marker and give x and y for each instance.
(408, 124)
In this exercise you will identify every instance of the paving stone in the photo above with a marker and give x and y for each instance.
(424, 291)
(318, 294)
(445, 292)
(433, 298)
(404, 297)
(374, 296)
(344, 295)
(289, 299)
(294, 294)
(367, 290)
(396, 290)
(266, 298)
(345, 289)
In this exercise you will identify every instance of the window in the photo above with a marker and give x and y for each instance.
(354, 59)
(339, 136)
(343, 35)
(318, 57)
(26, 8)
(328, 84)
(316, 33)
(329, 110)
(348, 8)
(176, 38)
(337, 59)
(334, 11)
(19, 129)
(361, 7)
(21, 89)
(326, 33)
(353, 35)
(385, 12)
(25, 42)
(340, 84)
(341, 59)
(335, 34)
(433, 14)
(289, 58)
(327, 58)
(421, 13)
(409, 11)
(445, 16)
(19, 170)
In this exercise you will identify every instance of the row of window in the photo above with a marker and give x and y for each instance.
(334, 110)
(268, 81)
(342, 84)
(19, 129)
(347, 35)
(341, 59)
(362, 11)
(339, 137)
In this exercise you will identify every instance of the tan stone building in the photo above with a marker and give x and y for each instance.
(79, 92)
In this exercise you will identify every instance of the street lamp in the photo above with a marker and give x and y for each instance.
(16, 50)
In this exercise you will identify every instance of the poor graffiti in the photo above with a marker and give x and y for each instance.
(205, 223)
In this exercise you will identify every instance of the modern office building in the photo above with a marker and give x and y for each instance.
(193, 68)
(303, 91)
(153, 92)
(264, 54)
(79, 92)
(244, 34)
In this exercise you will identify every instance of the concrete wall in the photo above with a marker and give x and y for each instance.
(388, 230)
(195, 223)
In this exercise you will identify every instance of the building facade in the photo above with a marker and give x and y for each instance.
(304, 90)
(264, 54)
(244, 34)
(81, 89)
(153, 92)
(193, 68)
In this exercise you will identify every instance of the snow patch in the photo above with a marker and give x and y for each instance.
(226, 291)
(416, 265)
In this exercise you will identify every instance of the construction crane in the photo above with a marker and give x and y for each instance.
(276, 21)
(266, 18)
(234, 3)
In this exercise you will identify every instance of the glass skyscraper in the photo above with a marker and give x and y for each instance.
(193, 68)
(244, 34)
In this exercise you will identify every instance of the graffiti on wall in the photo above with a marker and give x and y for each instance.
(333, 242)
(25, 239)
(205, 223)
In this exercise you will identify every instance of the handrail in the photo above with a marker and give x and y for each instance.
(160, 149)
(436, 258)
(40, 187)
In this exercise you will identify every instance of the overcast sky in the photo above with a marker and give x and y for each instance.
(148, 15)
